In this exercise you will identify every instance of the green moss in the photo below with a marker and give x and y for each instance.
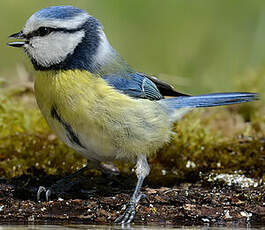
(200, 146)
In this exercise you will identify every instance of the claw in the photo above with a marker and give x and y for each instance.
(48, 194)
(42, 189)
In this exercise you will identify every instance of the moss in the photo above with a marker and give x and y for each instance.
(214, 140)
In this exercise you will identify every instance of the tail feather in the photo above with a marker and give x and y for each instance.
(208, 100)
(178, 106)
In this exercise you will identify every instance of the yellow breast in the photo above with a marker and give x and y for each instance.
(95, 119)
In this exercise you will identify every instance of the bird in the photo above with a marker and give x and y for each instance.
(95, 102)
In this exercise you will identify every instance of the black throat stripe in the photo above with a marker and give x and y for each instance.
(72, 136)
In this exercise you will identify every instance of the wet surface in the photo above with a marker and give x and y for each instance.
(202, 203)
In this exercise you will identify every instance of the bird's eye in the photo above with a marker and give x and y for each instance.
(43, 31)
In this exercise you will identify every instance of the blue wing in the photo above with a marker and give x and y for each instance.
(134, 85)
(140, 85)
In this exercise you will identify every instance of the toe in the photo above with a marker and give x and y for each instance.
(142, 196)
(119, 219)
(127, 216)
(130, 218)
(40, 190)
(48, 194)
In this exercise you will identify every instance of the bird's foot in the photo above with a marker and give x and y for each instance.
(60, 187)
(65, 184)
(129, 213)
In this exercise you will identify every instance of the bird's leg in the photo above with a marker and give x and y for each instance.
(67, 182)
(142, 170)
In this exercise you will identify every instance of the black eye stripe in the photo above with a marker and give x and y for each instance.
(43, 31)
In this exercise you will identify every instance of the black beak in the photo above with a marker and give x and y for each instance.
(18, 35)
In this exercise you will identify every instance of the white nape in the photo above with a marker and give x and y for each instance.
(104, 51)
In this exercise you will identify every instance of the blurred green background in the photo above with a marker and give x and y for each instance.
(199, 46)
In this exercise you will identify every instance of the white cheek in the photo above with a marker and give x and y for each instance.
(53, 48)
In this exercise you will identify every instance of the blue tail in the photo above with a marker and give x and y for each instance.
(208, 100)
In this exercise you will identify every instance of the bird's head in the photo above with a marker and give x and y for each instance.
(64, 37)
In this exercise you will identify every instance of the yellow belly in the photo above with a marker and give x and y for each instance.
(96, 120)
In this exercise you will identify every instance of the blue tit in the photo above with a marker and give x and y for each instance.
(94, 101)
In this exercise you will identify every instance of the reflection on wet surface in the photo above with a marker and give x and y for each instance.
(114, 227)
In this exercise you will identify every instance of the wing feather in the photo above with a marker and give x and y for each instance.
(140, 85)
